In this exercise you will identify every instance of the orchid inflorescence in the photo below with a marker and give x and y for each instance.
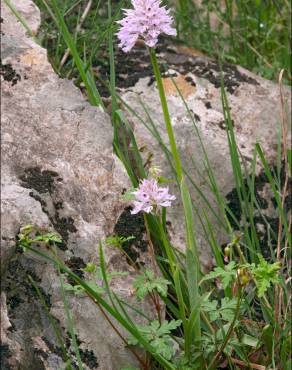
(147, 20)
(149, 196)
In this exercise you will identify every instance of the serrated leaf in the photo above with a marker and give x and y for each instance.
(210, 307)
(227, 309)
(265, 274)
(227, 275)
(158, 336)
(147, 283)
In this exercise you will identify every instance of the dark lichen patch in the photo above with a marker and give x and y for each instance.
(53, 348)
(197, 117)
(9, 74)
(131, 67)
(210, 70)
(64, 226)
(41, 181)
(5, 354)
(14, 301)
(190, 80)
(20, 291)
(208, 105)
(88, 357)
(132, 225)
(44, 182)
(24, 308)
(75, 264)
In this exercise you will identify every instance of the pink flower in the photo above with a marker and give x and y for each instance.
(149, 195)
(148, 20)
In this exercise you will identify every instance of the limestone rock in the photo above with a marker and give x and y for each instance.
(59, 173)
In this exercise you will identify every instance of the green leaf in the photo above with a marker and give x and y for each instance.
(227, 275)
(128, 195)
(250, 341)
(210, 307)
(147, 283)
(227, 309)
(167, 326)
(117, 241)
(90, 267)
(268, 338)
(158, 336)
(265, 274)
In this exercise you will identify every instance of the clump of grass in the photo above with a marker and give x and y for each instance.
(253, 34)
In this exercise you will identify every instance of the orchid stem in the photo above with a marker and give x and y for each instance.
(167, 119)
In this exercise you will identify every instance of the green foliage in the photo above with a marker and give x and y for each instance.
(30, 234)
(254, 34)
(227, 275)
(96, 281)
(265, 274)
(149, 283)
(225, 311)
(117, 241)
(158, 335)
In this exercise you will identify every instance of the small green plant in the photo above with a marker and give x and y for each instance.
(149, 283)
(158, 335)
(118, 241)
(96, 280)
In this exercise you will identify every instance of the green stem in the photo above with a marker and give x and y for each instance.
(112, 61)
(192, 256)
(172, 143)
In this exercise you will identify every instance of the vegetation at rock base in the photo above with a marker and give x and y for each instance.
(237, 315)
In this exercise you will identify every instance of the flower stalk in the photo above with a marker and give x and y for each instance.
(166, 114)
(192, 256)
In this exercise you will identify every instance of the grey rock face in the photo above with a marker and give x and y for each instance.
(59, 173)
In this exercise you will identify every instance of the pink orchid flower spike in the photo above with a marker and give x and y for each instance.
(148, 19)
(149, 196)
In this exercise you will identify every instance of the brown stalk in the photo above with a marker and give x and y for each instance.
(250, 365)
(284, 191)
